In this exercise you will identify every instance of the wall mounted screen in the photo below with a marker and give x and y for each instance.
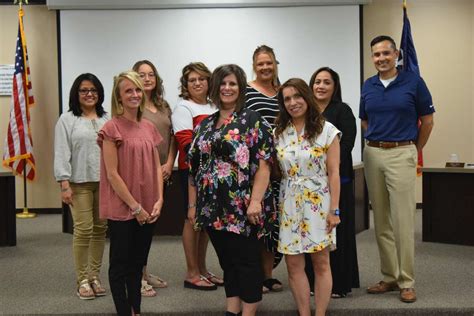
(106, 42)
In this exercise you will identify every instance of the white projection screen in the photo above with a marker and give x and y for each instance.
(106, 42)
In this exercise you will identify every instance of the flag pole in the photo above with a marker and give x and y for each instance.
(25, 213)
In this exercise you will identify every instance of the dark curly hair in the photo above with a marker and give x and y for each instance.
(159, 90)
(198, 67)
(75, 105)
(314, 121)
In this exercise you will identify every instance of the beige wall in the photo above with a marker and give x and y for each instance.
(444, 38)
(443, 33)
(40, 29)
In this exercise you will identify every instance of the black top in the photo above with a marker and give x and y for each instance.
(341, 116)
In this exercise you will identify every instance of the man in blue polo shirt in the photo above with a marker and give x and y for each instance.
(391, 104)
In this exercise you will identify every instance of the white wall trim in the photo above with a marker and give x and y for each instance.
(180, 4)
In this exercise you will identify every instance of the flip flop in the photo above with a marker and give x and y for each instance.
(213, 278)
(269, 286)
(156, 281)
(336, 295)
(97, 287)
(147, 290)
(195, 284)
(84, 291)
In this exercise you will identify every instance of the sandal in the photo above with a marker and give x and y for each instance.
(336, 295)
(156, 281)
(213, 278)
(84, 291)
(97, 287)
(147, 290)
(196, 286)
(272, 285)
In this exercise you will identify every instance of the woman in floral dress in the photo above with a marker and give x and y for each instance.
(308, 154)
(229, 192)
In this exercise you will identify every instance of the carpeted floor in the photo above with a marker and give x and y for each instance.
(37, 278)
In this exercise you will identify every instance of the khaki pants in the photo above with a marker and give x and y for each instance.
(89, 231)
(391, 176)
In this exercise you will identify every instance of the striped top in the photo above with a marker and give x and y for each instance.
(266, 106)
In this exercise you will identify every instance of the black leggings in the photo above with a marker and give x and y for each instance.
(127, 255)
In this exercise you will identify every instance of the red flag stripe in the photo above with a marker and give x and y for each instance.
(18, 149)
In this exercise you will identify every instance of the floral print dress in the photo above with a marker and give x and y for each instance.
(223, 162)
(304, 199)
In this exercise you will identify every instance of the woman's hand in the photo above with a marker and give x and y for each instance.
(192, 215)
(156, 212)
(166, 170)
(66, 196)
(254, 211)
(142, 217)
(331, 222)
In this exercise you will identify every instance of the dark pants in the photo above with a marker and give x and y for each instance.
(240, 259)
(149, 231)
(127, 255)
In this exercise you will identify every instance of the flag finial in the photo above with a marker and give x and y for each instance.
(20, 2)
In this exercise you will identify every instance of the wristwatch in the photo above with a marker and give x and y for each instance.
(335, 212)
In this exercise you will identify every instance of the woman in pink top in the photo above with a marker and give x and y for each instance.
(131, 193)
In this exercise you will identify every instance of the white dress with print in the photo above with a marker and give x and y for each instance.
(304, 199)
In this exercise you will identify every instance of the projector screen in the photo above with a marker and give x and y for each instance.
(106, 42)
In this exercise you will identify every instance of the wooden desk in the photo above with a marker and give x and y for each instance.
(172, 219)
(7, 209)
(362, 219)
(448, 205)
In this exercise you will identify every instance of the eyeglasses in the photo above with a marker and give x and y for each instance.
(87, 91)
(149, 75)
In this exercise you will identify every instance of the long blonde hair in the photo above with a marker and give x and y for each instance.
(116, 104)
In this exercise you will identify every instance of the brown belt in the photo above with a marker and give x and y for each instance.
(387, 145)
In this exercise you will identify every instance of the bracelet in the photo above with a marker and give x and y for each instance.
(335, 212)
(65, 189)
(191, 205)
(137, 211)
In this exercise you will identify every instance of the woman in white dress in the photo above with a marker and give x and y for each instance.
(308, 155)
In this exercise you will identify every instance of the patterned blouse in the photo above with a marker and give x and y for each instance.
(223, 162)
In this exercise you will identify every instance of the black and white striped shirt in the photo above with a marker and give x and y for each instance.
(266, 106)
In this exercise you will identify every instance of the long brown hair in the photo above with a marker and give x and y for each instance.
(159, 90)
(314, 121)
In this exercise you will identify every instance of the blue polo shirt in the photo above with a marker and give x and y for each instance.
(392, 113)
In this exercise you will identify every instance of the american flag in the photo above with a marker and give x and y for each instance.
(18, 150)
